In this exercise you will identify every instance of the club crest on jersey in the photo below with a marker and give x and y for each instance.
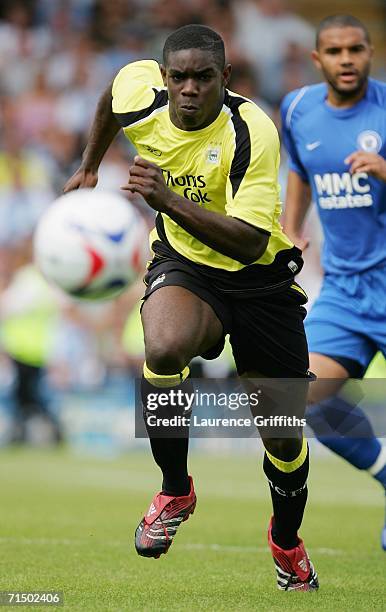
(369, 141)
(213, 155)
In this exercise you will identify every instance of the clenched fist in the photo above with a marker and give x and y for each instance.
(147, 179)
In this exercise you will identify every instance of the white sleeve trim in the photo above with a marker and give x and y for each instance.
(380, 463)
(294, 104)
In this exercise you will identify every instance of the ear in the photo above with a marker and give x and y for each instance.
(226, 75)
(163, 73)
(316, 59)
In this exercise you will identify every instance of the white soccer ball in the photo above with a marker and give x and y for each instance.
(92, 244)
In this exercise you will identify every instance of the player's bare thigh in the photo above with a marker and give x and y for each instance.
(330, 374)
(178, 325)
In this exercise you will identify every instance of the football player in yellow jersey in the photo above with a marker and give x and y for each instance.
(207, 163)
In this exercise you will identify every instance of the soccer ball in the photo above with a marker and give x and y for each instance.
(92, 244)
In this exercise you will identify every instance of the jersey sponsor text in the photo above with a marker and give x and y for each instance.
(343, 190)
(193, 186)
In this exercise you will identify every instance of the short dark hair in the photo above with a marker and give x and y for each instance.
(341, 21)
(196, 36)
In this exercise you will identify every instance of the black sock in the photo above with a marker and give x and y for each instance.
(170, 453)
(289, 497)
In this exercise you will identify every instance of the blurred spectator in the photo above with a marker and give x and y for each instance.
(219, 15)
(114, 170)
(131, 45)
(79, 67)
(64, 17)
(76, 357)
(38, 102)
(27, 314)
(25, 188)
(166, 16)
(245, 83)
(296, 68)
(265, 30)
(109, 18)
(62, 150)
(22, 45)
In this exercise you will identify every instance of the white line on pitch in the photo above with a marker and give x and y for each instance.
(252, 549)
(197, 546)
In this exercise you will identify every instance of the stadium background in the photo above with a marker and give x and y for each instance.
(77, 362)
(55, 59)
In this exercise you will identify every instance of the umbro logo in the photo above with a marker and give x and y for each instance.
(152, 509)
(159, 279)
(310, 146)
(293, 266)
(153, 151)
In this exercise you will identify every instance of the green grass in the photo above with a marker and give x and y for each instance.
(67, 522)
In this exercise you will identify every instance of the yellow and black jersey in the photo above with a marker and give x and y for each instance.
(229, 167)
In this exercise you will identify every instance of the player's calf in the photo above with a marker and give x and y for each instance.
(288, 484)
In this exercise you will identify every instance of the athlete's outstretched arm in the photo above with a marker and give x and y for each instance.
(297, 203)
(225, 234)
(103, 131)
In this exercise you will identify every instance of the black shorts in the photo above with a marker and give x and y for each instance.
(265, 329)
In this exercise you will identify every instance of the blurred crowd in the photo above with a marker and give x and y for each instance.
(55, 59)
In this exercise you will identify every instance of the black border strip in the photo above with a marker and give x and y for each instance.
(126, 119)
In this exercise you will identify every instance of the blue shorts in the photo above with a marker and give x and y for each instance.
(348, 320)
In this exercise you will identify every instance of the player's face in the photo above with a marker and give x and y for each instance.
(196, 87)
(344, 57)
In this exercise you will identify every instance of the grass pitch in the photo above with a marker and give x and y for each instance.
(67, 523)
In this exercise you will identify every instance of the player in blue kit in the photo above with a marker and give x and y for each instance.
(335, 135)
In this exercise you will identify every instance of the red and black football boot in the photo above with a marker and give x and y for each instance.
(294, 569)
(154, 535)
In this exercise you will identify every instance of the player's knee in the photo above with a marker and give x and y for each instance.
(285, 449)
(166, 356)
(323, 390)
